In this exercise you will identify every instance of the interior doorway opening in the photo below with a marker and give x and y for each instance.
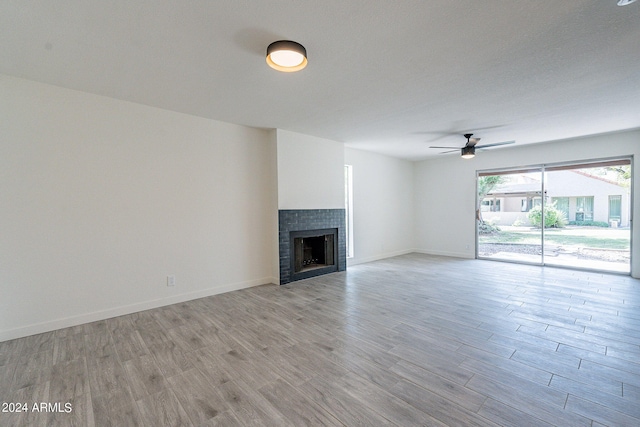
(575, 215)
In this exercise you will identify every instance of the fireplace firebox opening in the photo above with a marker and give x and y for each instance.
(314, 252)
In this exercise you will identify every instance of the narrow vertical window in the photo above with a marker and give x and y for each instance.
(348, 204)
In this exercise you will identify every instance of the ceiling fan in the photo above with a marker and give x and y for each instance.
(469, 150)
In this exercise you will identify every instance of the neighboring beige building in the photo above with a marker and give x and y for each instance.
(581, 196)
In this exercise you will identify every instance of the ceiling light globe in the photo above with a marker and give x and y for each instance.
(287, 56)
(468, 152)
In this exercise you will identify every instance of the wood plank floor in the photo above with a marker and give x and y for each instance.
(412, 340)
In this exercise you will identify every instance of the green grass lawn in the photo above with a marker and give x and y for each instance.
(562, 237)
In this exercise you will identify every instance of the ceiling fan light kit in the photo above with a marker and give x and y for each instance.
(468, 152)
(287, 56)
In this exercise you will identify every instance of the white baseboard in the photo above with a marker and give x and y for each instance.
(66, 322)
(356, 261)
(445, 253)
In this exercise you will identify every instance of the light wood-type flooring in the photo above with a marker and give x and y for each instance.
(411, 340)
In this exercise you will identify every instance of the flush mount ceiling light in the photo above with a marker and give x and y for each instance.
(625, 2)
(287, 56)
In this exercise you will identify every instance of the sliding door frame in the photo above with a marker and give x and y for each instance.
(542, 168)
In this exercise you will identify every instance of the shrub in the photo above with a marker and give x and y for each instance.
(486, 228)
(553, 218)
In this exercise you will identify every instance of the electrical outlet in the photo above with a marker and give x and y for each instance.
(171, 280)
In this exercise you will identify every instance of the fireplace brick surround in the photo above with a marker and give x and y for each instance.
(308, 219)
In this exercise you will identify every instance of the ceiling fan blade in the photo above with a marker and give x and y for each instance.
(437, 146)
(495, 144)
(450, 151)
(472, 142)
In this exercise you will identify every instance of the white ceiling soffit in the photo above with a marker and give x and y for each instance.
(391, 77)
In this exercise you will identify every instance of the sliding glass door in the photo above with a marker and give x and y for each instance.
(505, 201)
(573, 215)
(595, 231)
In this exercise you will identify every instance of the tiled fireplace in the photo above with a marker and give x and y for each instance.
(312, 242)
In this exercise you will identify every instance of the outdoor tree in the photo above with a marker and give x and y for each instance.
(623, 174)
(620, 173)
(485, 185)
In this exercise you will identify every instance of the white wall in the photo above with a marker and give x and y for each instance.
(310, 172)
(101, 199)
(382, 205)
(445, 206)
(450, 182)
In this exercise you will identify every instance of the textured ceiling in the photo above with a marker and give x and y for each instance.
(387, 76)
